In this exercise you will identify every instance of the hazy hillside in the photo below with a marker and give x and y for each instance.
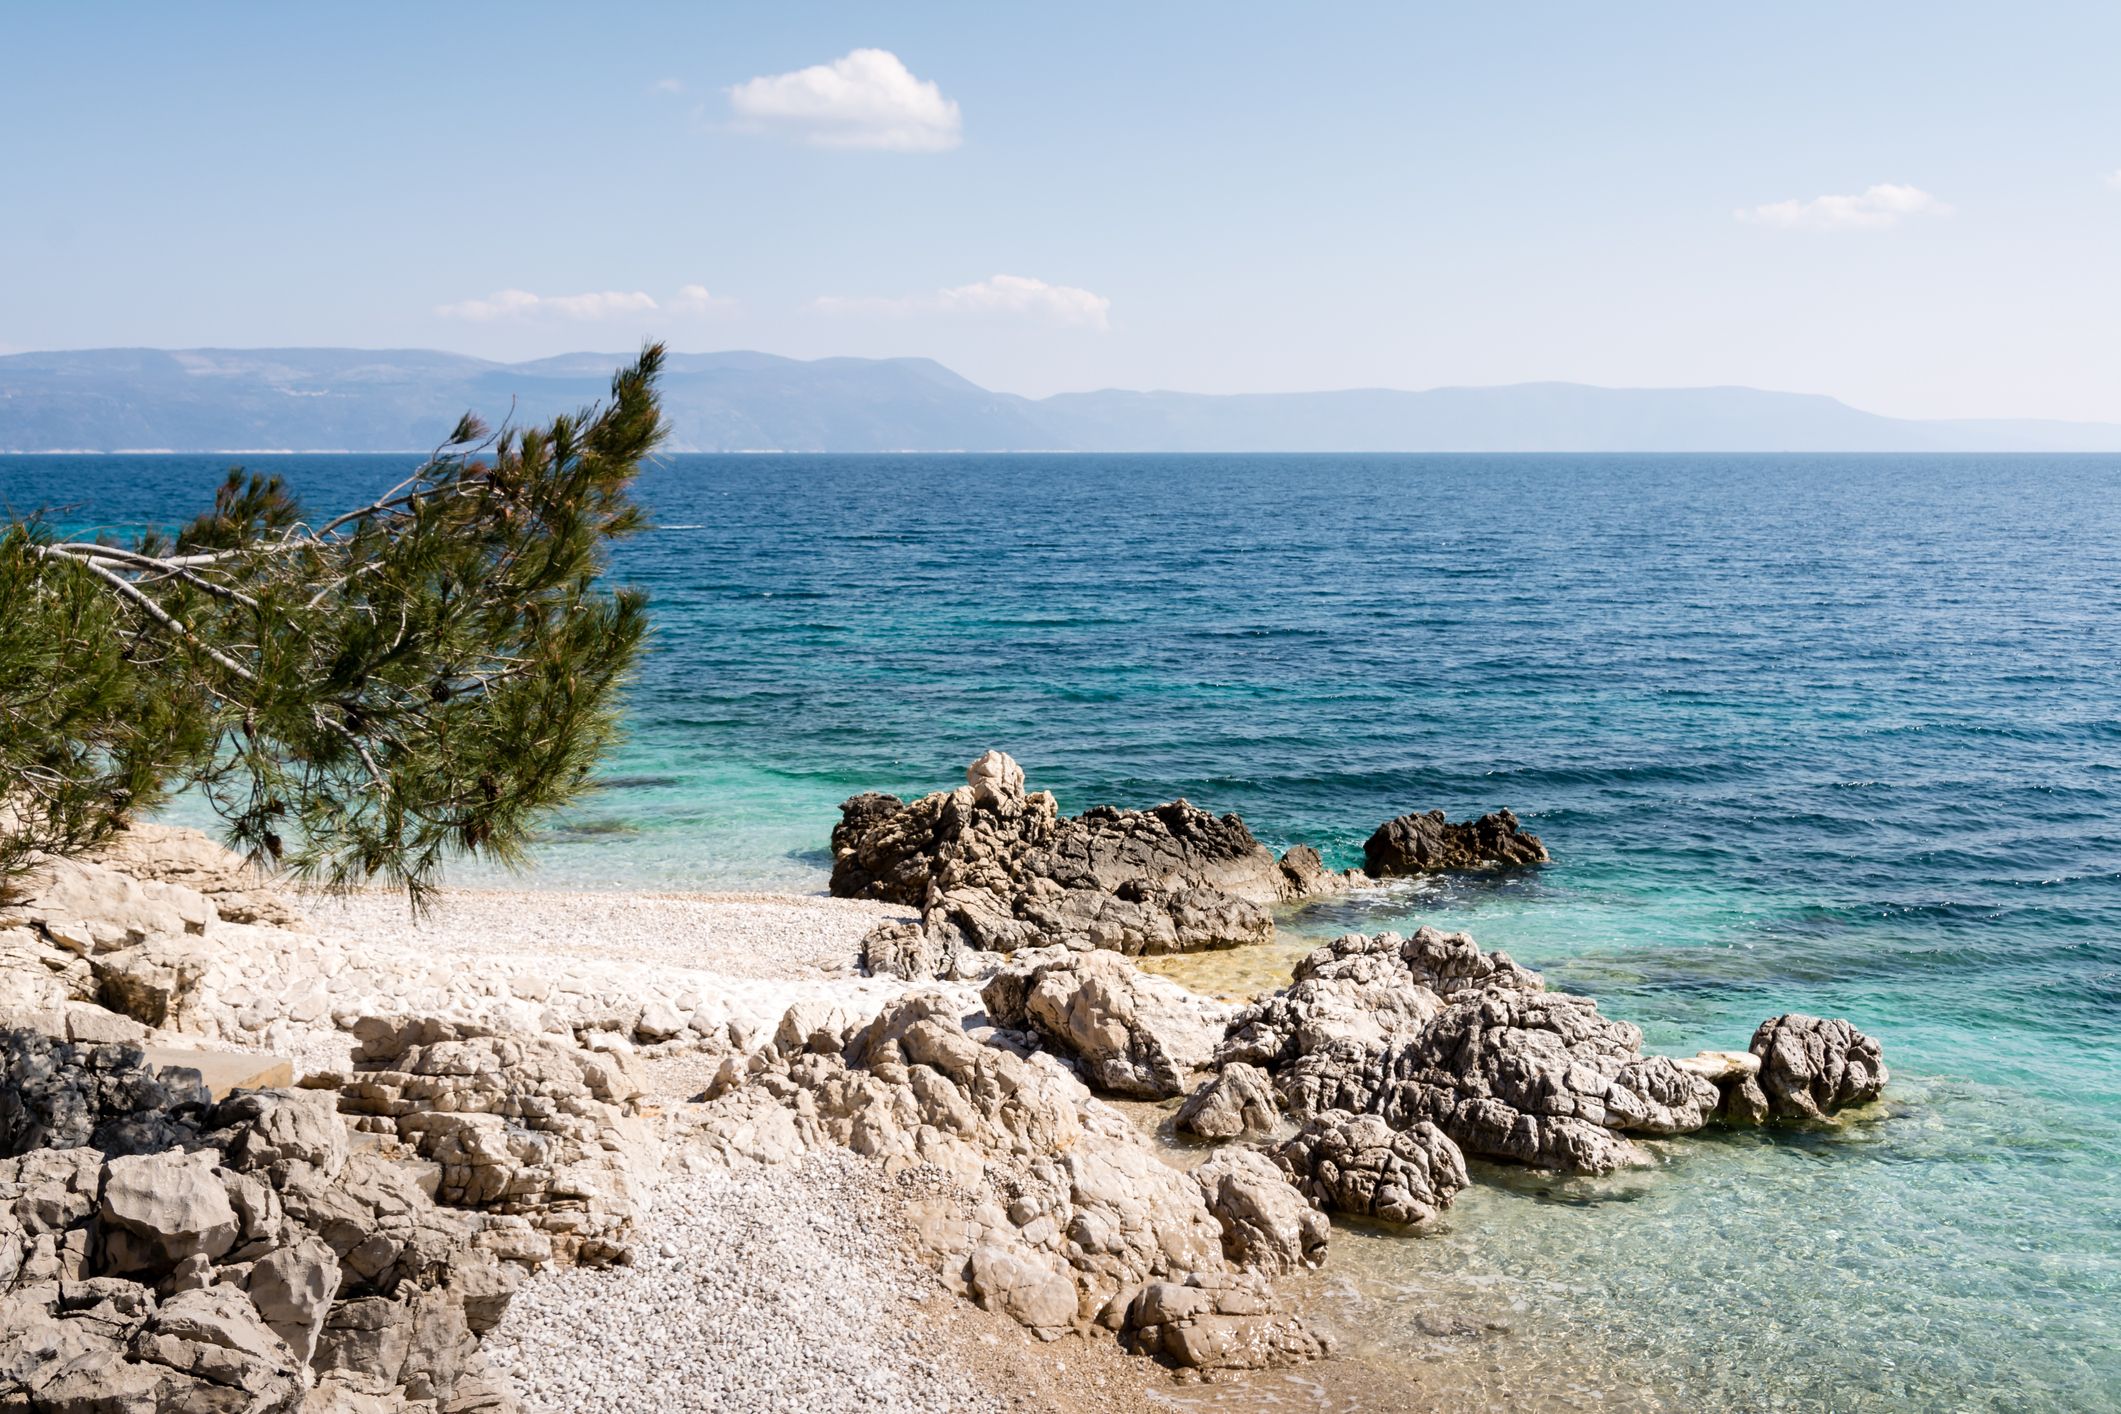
(396, 400)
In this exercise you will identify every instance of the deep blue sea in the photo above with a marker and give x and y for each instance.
(1835, 734)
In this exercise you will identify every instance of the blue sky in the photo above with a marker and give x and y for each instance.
(1913, 207)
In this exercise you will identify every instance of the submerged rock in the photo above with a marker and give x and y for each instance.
(994, 867)
(1423, 844)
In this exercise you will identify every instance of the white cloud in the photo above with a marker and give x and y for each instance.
(586, 308)
(1006, 296)
(668, 86)
(1880, 206)
(1022, 295)
(866, 99)
(522, 304)
(2113, 179)
(694, 299)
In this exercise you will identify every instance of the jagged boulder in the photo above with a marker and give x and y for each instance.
(1267, 1226)
(994, 867)
(1425, 844)
(1540, 1078)
(1366, 989)
(292, 1288)
(162, 1209)
(1359, 1165)
(62, 1095)
(91, 1346)
(216, 1337)
(1132, 1033)
(1237, 1100)
(911, 952)
(1305, 875)
(1811, 1067)
(151, 981)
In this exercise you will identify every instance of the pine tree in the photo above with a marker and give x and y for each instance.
(430, 673)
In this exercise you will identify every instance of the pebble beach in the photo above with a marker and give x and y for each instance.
(786, 1288)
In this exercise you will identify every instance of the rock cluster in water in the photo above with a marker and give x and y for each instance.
(996, 868)
(1394, 1057)
(1431, 1030)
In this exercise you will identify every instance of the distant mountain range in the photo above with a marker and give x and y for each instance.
(376, 400)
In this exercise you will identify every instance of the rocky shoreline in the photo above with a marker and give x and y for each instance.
(537, 1114)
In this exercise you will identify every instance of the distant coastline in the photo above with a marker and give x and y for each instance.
(269, 401)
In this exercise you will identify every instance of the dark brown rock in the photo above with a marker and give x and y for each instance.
(1424, 844)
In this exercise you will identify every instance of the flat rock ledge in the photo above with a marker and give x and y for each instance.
(994, 869)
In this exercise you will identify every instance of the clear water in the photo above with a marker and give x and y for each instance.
(1832, 734)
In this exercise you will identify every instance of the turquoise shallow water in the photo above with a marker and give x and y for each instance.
(1832, 734)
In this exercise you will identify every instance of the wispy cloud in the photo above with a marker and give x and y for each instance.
(1874, 209)
(866, 99)
(1003, 296)
(694, 299)
(667, 86)
(2113, 179)
(586, 308)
